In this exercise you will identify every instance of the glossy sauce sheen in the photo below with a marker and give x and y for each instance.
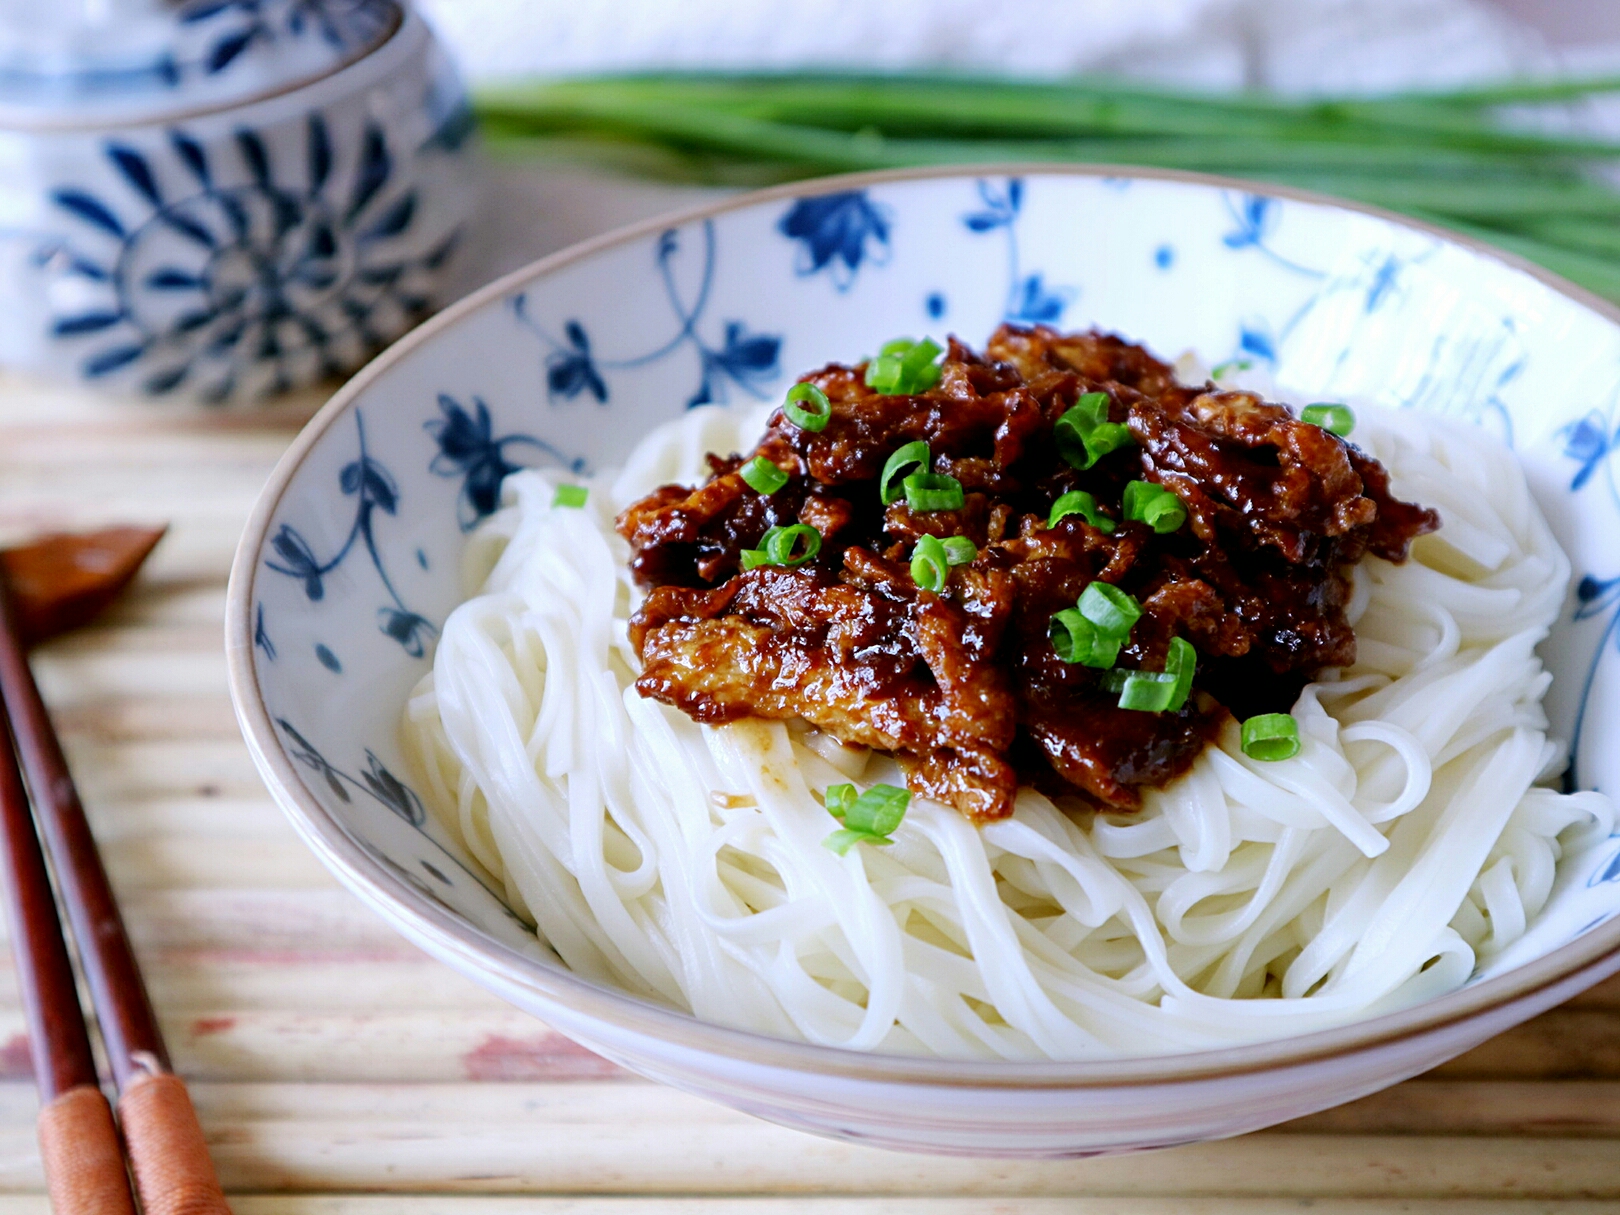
(964, 685)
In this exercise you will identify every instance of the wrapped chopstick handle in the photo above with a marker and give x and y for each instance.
(167, 1152)
(84, 1166)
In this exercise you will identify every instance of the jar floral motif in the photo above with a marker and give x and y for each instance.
(240, 252)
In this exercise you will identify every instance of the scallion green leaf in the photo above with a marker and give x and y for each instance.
(930, 566)
(1084, 434)
(1148, 691)
(933, 491)
(1145, 502)
(1182, 662)
(838, 799)
(959, 550)
(1271, 736)
(904, 367)
(1110, 609)
(1079, 502)
(842, 840)
(792, 545)
(870, 818)
(1338, 419)
(570, 495)
(1076, 639)
(762, 476)
(1155, 691)
(807, 407)
(907, 459)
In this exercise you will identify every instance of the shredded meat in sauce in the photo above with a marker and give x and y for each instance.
(964, 685)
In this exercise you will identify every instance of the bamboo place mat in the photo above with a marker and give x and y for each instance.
(338, 1071)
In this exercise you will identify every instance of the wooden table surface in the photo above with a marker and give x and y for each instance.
(338, 1070)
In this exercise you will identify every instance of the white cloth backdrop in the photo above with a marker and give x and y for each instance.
(1288, 45)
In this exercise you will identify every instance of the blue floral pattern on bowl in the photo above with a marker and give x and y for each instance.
(570, 367)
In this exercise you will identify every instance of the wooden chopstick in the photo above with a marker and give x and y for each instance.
(167, 1153)
(84, 1166)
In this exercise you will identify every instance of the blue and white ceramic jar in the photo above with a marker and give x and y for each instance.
(220, 199)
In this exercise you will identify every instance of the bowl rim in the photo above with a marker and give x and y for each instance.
(408, 30)
(448, 936)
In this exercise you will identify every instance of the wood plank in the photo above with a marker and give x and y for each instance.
(747, 1157)
(634, 1137)
(486, 1204)
(1573, 1042)
(1494, 1107)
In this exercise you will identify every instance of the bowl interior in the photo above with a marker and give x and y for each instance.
(353, 562)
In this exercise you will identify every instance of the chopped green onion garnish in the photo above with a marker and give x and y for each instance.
(1114, 680)
(1079, 502)
(918, 371)
(1221, 370)
(870, 818)
(762, 476)
(1182, 662)
(779, 546)
(1084, 434)
(907, 459)
(1271, 736)
(1089, 411)
(959, 550)
(1156, 691)
(904, 367)
(1148, 691)
(807, 407)
(930, 566)
(838, 799)
(1339, 419)
(933, 491)
(1154, 505)
(1076, 639)
(1112, 610)
(842, 840)
(570, 495)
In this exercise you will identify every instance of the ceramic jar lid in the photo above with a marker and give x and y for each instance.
(79, 63)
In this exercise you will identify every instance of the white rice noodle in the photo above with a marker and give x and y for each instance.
(1405, 841)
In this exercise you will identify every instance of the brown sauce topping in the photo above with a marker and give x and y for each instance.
(963, 685)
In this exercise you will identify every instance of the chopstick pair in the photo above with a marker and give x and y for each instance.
(81, 1147)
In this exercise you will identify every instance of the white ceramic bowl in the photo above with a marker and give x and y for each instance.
(350, 562)
(195, 241)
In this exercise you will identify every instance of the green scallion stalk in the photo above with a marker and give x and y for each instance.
(1337, 419)
(904, 367)
(1448, 157)
(868, 818)
(762, 476)
(1271, 737)
(930, 564)
(1154, 505)
(1148, 691)
(907, 459)
(1182, 662)
(1076, 639)
(1084, 434)
(1079, 502)
(789, 546)
(959, 550)
(1112, 610)
(933, 491)
(807, 407)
